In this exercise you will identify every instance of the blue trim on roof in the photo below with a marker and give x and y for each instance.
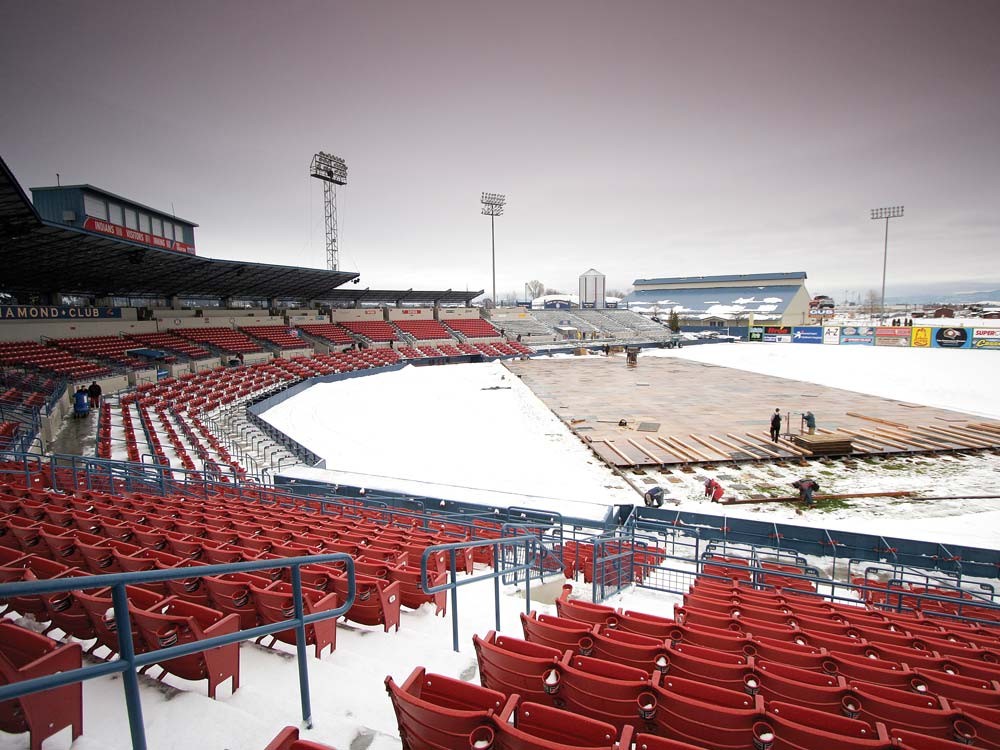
(722, 279)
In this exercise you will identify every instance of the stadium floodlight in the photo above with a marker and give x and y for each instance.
(332, 170)
(493, 204)
(329, 168)
(890, 212)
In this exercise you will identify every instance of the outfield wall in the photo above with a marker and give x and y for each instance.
(934, 337)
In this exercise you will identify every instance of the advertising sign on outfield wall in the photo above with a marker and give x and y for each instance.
(951, 338)
(892, 336)
(778, 334)
(857, 335)
(831, 334)
(807, 335)
(921, 336)
(756, 333)
(986, 338)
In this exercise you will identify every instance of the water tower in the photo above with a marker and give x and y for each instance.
(592, 290)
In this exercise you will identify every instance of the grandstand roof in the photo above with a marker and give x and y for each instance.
(724, 279)
(42, 256)
(723, 301)
(393, 297)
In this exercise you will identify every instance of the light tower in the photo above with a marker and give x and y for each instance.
(892, 212)
(493, 204)
(332, 170)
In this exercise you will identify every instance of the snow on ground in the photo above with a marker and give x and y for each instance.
(473, 431)
(448, 426)
(961, 379)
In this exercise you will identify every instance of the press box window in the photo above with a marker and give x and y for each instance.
(96, 207)
(131, 219)
(168, 230)
(115, 214)
(144, 223)
(157, 227)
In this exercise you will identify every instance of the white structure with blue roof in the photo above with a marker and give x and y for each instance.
(776, 298)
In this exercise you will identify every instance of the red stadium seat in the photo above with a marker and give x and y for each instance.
(557, 633)
(25, 655)
(174, 622)
(434, 711)
(512, 666)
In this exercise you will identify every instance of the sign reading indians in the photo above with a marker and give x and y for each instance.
(134, 235)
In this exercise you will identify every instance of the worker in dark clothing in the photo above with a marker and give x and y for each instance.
(94, 394)
(776, 425)
(653, 497)
(810, 419)
(806, 488)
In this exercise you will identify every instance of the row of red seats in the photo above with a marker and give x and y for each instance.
(225, 340)
(134, 532)
(578, 557)
(171, 343)
(473, 328)
(25, 655)
(112, 349)
(912, 597)
(732, 666)
(721, 566)
(423, 330)
(330, 332)
(689, 710)
(280, 336)
(373, 330)
(49, 359)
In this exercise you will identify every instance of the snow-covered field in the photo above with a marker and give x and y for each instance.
(460, 427)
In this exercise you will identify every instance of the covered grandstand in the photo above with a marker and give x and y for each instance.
(778, 297)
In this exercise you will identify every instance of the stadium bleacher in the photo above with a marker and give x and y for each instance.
(473, 328)
(329, 332)
(226, 340)
(281, 337)
(376, 331)
(112, 349)
(48, 359)
(422, 330)
(171, 343)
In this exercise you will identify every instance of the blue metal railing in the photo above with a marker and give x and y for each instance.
(128, 661)
(531, 545)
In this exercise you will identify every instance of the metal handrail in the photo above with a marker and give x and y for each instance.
(128, 661)
(499, 570)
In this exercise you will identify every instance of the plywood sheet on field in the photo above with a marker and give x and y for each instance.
(711, 413)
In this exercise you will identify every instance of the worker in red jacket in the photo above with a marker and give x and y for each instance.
(713, 490)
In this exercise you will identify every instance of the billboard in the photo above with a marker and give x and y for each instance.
(920, 336)
(951, 338)
(756, 333)
(857, 335)
(892, 336)
(807, 335)
(831, 334)
(778, 334)
(986, 338)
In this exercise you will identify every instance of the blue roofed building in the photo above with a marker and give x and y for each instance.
(776, 298)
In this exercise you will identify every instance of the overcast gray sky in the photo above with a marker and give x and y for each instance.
(640, 138)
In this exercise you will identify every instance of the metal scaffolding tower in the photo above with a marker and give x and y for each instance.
(332, 170)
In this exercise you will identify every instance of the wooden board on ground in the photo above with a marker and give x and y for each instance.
(825, 445)
(718, 414)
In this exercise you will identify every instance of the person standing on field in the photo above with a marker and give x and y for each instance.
(776, 425)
